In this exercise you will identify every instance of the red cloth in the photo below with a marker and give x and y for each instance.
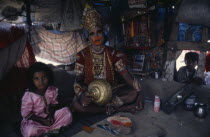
(112, 57)
(16, 79)
(207, 67)
(28, 57)
(7, 37)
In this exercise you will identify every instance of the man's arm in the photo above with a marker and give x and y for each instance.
(80, 90)
(121, 68)
(131, 80)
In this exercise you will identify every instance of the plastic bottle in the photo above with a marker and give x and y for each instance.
(156, 104)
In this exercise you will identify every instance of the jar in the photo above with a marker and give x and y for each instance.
(190, 102)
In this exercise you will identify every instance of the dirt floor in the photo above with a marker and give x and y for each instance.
(180, 123)
(148, 123)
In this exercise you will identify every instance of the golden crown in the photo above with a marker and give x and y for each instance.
(91, 18)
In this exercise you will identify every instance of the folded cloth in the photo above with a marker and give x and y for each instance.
(120, 124)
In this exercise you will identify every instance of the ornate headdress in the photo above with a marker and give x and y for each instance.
(91, 18)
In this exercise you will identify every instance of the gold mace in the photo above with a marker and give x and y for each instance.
(101, 91)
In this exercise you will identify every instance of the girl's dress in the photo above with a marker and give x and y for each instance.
(33, 103)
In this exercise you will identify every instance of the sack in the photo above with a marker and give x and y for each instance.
(194, 12)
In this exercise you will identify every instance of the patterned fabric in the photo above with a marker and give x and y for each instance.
(79, 69)
(207, 67)
(16, 78)
(47, 11)
(91, 18)
(59, 48)
(10, 55)
(33, 103)
(113, 61)
(7, 37)
(27, 58)
(71, 19)
(78, 89)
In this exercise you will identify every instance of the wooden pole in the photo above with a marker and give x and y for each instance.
(202, 55)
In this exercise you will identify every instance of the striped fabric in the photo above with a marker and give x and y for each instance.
(59, 48)
(11, 54)
(27, 58)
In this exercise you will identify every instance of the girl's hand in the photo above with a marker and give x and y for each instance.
(47, 122)
(52, 109)
(85, 99)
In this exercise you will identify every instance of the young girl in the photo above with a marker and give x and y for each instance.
(40, 109)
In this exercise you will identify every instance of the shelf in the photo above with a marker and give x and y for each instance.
(187, 45)
(138, 47)
(136, 12)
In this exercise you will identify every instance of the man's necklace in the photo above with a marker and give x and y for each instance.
(97, 52)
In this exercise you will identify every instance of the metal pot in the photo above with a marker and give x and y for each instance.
(189, 103)
(200, 110)
(100, 91)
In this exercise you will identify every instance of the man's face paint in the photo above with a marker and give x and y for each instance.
(97, 40)
(96, 36)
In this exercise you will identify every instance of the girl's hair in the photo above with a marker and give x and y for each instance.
(39, 67)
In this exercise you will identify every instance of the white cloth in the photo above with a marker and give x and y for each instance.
(207, 78)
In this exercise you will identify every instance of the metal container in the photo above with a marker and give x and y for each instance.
(156, 75)
(200, 110)
(100, 91)
(190, 102)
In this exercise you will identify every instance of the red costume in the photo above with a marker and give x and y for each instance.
(99, 65)
(207, 67)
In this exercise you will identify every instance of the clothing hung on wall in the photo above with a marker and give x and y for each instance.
(48, 11)
(11, 54)
(68, 13)
(59, 48)
(72, 14)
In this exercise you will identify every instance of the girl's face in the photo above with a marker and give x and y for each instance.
(96, 36)
(40, 80)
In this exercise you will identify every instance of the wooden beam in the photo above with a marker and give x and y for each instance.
(174, 32)
(170, 61)
(201, 64)
(183, 45)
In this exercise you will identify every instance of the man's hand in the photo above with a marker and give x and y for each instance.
(136, 85)
(86, 99)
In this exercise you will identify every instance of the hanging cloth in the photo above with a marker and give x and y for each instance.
(10, 54)
(194, 12)
(46, 11)
(72, 14)
(59, 48)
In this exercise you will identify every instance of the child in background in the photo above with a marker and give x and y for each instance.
(40, 109)
(187, 74)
